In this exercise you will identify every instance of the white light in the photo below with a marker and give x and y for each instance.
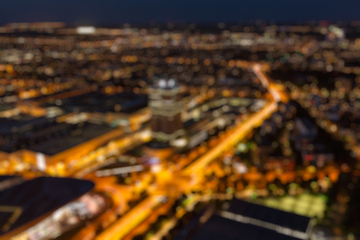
(155, 169)
(113, 48)
(240, 167)
(40, 162)
(171, 83)
(162, 83)
(146, 134)
(85, 30)
(221, 122)
(182, 142)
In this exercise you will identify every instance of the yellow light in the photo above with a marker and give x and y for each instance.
(333, 128)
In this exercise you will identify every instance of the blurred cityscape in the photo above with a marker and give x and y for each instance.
(180, 131)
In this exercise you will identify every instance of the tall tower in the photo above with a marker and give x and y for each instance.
(165, 104)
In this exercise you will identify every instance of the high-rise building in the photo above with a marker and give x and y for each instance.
(166, 105)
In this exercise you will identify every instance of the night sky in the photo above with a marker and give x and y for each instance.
(162, 11)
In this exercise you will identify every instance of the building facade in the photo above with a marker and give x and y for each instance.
(166, 105)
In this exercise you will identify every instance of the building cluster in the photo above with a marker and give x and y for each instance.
(167, 124)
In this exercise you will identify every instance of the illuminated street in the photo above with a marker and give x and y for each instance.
(138, 214)
(179, 131)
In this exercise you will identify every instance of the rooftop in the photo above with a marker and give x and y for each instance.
(222, 228)
(270, 215)
(37, 197)
(248, 221)
(74, 135)
(99, 102)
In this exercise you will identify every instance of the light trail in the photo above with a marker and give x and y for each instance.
(263, 79)
(265, 82)
(239, 133)
(137, 215)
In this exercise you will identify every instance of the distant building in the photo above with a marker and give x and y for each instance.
(166, 105)
(305, 128)
(335, 35)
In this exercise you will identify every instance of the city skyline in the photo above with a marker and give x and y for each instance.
(179, 131)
